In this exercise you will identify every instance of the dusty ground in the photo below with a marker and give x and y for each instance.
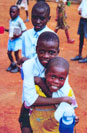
(11, 84)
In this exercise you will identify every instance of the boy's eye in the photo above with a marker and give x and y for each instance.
(38, 17)
(34, 17)
(53, 76)
(42, 18)
(61, 78)
(52, 52)
(41, 51)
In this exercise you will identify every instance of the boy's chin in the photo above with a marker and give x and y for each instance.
(53, 90)
(44, 64)
(38, 28)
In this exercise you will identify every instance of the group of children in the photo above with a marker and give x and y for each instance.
(45, 75)
(16, 23)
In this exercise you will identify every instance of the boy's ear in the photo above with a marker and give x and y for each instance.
(36, 49)
(49, 18)
(58, 51)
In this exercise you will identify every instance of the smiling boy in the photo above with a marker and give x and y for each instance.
(56, 73)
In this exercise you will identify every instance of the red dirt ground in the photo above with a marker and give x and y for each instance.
(11, 84)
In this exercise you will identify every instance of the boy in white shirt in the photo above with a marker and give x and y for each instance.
(16, 28)
(33, 70)
(40, 16)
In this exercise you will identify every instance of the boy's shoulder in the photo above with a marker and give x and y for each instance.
(18, 18)
(30, 62)
(28, 32)
(46, 29)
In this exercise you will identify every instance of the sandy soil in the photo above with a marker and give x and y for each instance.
(11, 84)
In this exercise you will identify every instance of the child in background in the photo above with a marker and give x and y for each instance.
(24, 4)
(34, 69)
(40, 15)
(82, 31)
(56, 73)
(61, 19)
(16, 28)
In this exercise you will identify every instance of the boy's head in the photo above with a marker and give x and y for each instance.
(14, 11)
(47, 47)
(40, 15)
(56, 72)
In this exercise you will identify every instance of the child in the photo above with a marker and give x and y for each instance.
(24, 4)
(61, 19)
(16, 28)
(56, 73)
(40, 15)
(82, 31)
(47, 48)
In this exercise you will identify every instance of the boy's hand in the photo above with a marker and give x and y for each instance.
(16, 36)
(76, 120)
(21, 61)
(7, 30)
(70, 100)
(37, 80)
(79, 12)
(41, 83)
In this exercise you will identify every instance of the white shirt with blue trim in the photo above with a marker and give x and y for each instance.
(29, 42)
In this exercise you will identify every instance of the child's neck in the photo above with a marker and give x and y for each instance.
(14, 18)
(40, 29)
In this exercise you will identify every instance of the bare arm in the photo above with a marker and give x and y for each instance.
(22, 60)
(7, 30)
(40, 82)
(50, 101)
(17, 36)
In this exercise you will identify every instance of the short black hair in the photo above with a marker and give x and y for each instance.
(48, 36)
(42, 4)
(57, 61)
(15, 7)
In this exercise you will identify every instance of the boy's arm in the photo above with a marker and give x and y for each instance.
(41, 83)
(7, 30)
(51, 101)
(18, 2)
(22, 60)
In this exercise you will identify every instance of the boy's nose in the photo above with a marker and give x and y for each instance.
(46, 55)
(38, 20)
(56, 80)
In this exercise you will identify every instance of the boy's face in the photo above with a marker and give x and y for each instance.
(46, 50)
(13, 12)
(39, 19)
(55, 78)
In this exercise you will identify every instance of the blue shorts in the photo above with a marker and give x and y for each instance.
(82, 29)
(15, 45)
